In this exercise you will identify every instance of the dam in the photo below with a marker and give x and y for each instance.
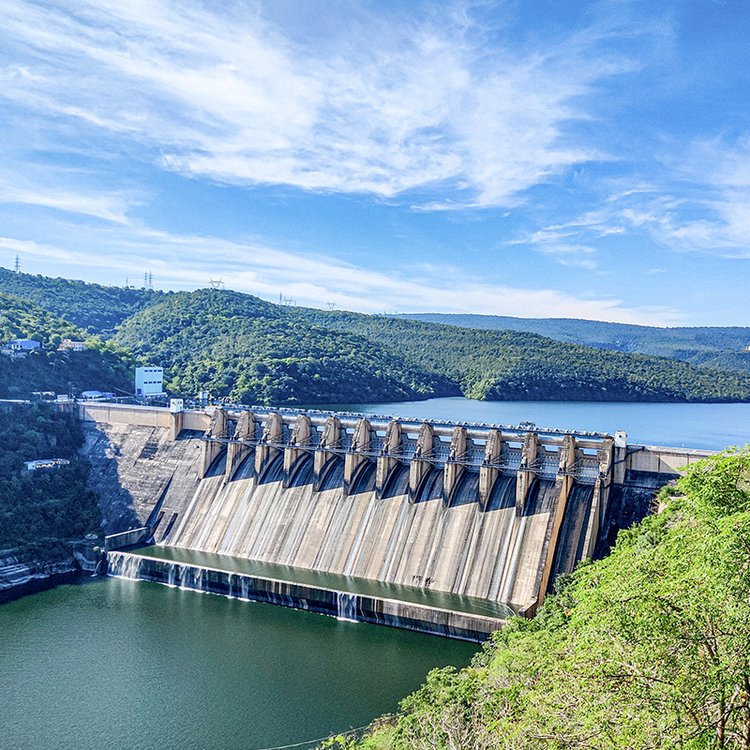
(433, 526)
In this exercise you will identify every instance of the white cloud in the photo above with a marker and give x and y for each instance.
(189, 262)
(392, 107)
(698, 202)
(109, 207)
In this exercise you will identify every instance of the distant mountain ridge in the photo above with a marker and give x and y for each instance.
(711, 346)
(245, 349)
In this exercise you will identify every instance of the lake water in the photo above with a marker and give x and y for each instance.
(706, 426)
(132, 665)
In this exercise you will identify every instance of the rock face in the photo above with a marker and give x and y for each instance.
(21, 574)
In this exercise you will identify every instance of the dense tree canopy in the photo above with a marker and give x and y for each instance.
(103, 366)
(43, 508)
(511, 365)
(244, 349)
(251, 351)
(93, 307)
(723, 347)
(248, 350)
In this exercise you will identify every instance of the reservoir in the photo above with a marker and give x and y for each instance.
(705, 426)
(126, 664)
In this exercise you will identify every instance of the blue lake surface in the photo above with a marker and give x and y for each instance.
(705, 426)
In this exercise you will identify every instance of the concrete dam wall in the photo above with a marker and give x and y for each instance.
(425, 525)
(473, 510)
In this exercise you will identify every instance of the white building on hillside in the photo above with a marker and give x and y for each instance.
(149, 382)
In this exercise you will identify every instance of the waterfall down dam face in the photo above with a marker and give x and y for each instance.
(471, 510)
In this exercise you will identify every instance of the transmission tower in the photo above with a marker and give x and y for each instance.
(331, 306)
(18, 264)
(216, 284)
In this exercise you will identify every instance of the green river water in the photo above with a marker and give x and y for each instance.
(134, 665)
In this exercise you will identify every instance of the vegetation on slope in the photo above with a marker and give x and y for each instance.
(43, 508)
(722, 347)
(250, 351)
(95, 308)
(646, 649)
(511, 365)
(240, 347)
(101, 367)
(244, 349)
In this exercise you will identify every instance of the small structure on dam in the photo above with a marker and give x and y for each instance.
(490, 512)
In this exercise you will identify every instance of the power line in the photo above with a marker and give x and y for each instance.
(320, 739)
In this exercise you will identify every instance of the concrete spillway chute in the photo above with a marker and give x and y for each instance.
(525, 474)
(329, 450)
(388, 459)
(423, 460)
(600, 498)
(489, 471)
(241, 444)
(270, 444)
(358, 456)
(299, 447)
(454, 468)
(213, 443)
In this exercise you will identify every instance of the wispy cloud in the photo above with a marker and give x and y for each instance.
(224, 92)
(110, 207)
(188, 262)
(697, 201)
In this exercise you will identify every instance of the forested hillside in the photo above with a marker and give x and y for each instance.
(242, 348)
(95, 308)
(252, 351)
(249, 350)
(723, 347)
(647, 649)
(508, 365)
(102, 367)
(42, 509)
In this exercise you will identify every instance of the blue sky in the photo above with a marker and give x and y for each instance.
(540, 159)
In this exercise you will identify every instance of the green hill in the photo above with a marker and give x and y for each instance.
(646, 649)
(101, 367)
(512, 365)
(240, 347)
(243, 348)
(95, 308)
(723, 347)
(40, 511)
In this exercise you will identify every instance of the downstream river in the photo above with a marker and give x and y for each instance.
(706, 426)
(124, 664)
(132, 665)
